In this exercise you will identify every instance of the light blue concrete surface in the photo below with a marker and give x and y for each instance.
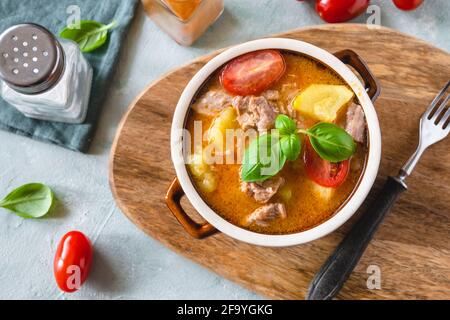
(128, 264)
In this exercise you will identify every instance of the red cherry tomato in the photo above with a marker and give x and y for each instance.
(73, 260)
(407, 4)
(253, 73)
(323, 172)
(334, 11)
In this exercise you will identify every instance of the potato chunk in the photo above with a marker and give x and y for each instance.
(286, 193)
(208, 182)
(197, 166)
(323, 193)
(225, 120)
(322, 102)
(202, 173)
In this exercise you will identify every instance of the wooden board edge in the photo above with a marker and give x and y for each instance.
(202, 59)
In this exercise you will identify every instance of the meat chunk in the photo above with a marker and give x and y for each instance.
(254, 112)
(356, 124)
(263, 191)
(212, 102)
(271, 95)
(265, 214)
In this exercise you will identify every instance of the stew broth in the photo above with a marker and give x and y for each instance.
(307, 204)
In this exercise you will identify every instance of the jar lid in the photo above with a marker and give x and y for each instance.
(31, 58)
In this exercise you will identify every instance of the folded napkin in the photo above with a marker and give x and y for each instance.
(53, 15)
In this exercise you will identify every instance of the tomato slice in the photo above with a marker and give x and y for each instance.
(253, 73)
(323, 172)
(73, 260)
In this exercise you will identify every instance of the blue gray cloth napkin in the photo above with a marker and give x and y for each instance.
(53, 15)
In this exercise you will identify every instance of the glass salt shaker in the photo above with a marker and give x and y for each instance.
(44, 77)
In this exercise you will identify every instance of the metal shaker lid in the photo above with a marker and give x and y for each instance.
(31, 58)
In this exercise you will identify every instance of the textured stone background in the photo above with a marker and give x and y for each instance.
(128, 264)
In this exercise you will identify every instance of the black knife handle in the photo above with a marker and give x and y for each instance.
(337, 269)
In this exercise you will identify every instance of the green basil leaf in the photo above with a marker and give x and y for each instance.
(285, 125)
(291, 146)
(262, 159)
(32, 200)
(331, 142)
(90, 36)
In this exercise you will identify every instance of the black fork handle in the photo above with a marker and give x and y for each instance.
(337, 269)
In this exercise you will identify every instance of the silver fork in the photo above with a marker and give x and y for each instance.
(434, 126)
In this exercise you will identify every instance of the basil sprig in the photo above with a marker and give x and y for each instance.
(32, 200)
(290, 140)
(90, 36)
(262, 159)
(267, 154)
(332, 143)
(285, 125)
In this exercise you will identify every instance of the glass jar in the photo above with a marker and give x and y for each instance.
(43, 77)
(184, 20)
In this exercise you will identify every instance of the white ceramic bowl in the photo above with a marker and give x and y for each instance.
(345, 212)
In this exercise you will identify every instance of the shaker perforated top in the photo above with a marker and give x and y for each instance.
(31, 58)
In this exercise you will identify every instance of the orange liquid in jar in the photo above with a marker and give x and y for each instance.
(183, 8)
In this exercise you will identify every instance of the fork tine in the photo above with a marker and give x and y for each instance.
(445, 118)
(436, 100)
(440, 109)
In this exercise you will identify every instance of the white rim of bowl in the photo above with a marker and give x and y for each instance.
(352, 204)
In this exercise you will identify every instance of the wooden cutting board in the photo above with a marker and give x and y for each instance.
(411, 248)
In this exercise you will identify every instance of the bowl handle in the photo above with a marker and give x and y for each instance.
(173, 200)
(354, 60)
